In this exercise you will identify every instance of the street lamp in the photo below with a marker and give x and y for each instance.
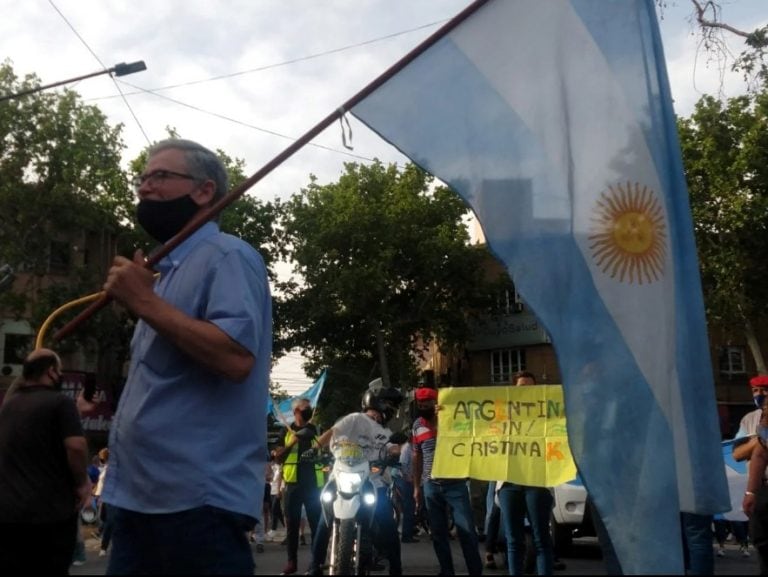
(121, 69)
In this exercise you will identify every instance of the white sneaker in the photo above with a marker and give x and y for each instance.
(721, 552)
(102, 553)
(744, 551)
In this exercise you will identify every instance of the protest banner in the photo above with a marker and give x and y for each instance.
(515, 434)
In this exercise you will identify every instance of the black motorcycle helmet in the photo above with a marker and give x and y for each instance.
(385, 401)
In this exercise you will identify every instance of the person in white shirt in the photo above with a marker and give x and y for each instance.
(276, 487)
(378, 409)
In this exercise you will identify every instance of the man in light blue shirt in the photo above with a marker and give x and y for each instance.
(188, 442)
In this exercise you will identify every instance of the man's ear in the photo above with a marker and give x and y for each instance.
(204, 193)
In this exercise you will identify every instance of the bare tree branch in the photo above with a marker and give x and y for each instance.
(714, 21)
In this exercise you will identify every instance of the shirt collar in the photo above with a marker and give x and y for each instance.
(178, 254)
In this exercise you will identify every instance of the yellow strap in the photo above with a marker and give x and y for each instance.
(65, 307)
(47, 323)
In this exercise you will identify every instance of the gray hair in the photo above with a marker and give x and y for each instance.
(201, 162)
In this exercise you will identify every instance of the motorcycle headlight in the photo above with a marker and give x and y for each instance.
(326, 496)
(369, 499)
(348, 482)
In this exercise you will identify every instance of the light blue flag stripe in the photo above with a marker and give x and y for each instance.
(529, 110)
(283, 412)
(736, 474)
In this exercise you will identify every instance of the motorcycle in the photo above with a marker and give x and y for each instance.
(348, 502)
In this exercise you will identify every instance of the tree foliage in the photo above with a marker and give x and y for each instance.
(725, 151)
(383, 265)
(60, 180)
(59, 166)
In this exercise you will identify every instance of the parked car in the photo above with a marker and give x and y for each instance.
(571, 517)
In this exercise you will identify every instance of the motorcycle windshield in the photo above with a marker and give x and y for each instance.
(349, 452)
(358, 438)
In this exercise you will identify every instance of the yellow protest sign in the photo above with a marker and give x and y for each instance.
(512, 434)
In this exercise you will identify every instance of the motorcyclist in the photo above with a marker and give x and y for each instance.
(377, 409)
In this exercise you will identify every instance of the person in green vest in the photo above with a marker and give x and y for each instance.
(302, 480)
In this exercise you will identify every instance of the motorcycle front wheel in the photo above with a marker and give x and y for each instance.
(344, 556)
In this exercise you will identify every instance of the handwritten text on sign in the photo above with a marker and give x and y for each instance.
(513, 434)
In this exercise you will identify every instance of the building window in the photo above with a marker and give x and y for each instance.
(505, 363)
(732, 361)
(508, 301)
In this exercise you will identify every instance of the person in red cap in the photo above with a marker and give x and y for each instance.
(748, 427)
(440, 494)
(755, 502)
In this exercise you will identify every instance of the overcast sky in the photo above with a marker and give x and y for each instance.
(274, 68)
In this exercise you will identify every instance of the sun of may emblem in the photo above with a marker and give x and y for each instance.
(629, 240)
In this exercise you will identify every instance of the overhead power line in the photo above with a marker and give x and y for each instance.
(242, 123)
(155, 91)
(277, 64)
(125, 100)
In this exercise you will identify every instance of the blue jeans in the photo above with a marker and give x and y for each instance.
(106, 527)
(204, 540)
(515, 501)
(439, 496)
(408, 506)
(697, 543)
(492, 519)
(385, 531)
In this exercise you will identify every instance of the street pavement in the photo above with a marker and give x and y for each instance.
(419, 559)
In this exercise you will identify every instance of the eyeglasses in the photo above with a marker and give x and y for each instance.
(158, 177)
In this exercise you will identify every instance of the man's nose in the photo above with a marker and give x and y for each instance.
(145, 188)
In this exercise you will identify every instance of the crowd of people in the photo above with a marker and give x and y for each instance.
(183, 486)
(408, 492)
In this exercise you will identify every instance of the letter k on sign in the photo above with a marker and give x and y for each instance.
(554, 452)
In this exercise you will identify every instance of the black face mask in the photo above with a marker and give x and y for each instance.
(162, 219)
(426, 413)
(306, 414)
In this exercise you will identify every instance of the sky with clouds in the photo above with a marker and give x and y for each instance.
(249, 76)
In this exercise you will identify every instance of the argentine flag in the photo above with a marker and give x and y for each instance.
(283, 412)
(553, 120)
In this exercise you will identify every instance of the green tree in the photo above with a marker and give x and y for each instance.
(62, 190)
(384, 265)
(725, 151)
(59, 166)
